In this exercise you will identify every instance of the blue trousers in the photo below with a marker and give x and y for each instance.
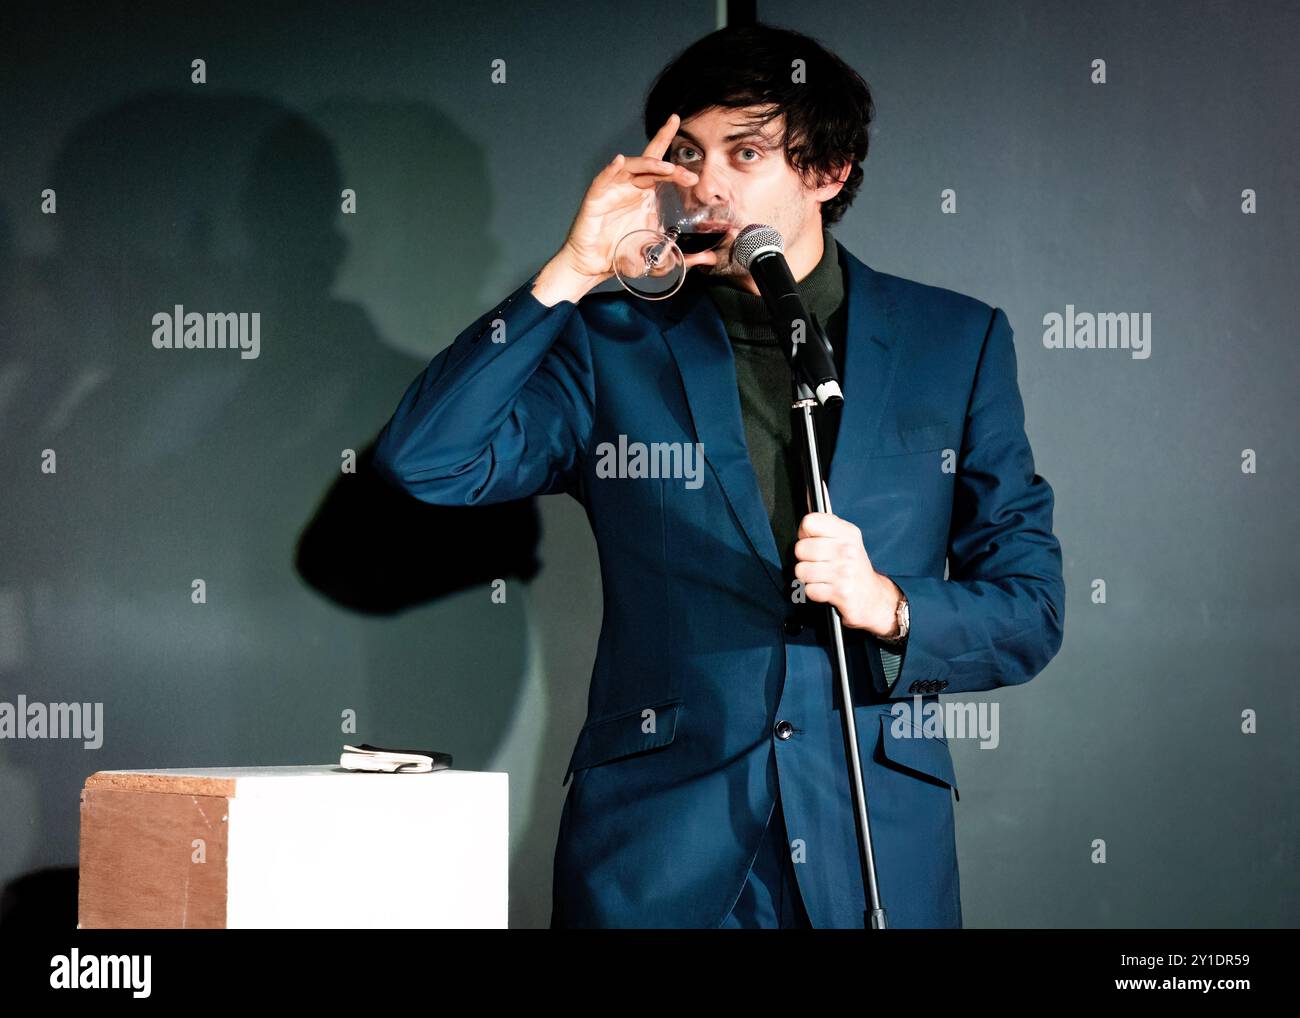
(770, 898)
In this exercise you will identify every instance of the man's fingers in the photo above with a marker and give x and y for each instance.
(642, 165)
(817, 572)
(611, 168)
(817, 549)
(703, 258)
(644, 172)
(658, 145)
(820, 525)
(649, 164)
(646, 164)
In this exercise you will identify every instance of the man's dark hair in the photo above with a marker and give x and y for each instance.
(826, 115)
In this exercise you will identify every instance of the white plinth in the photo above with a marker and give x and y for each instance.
(286, 847)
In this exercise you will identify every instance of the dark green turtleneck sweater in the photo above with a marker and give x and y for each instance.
(764, 379)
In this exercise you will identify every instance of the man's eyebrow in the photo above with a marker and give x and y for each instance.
(743, 135)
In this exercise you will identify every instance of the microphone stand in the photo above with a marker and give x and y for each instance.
(819, 500)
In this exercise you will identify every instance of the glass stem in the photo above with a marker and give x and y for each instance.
(653, 254)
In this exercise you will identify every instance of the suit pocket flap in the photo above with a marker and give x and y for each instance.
(613, 738)
(916, 751)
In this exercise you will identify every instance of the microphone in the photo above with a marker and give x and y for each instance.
(760, 250)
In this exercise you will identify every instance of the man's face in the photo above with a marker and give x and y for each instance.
(745, 168)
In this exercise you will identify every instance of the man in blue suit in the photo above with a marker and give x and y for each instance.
(710, 785)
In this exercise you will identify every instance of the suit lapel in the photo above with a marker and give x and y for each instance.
(870, 360)
(698, 340)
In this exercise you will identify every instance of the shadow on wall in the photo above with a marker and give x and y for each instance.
(374, 549)
(177, 464)
(44, 899)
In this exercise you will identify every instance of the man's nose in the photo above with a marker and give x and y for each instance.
(711, 188)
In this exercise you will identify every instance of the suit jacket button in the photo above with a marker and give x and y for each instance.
(784, 729)
(793, 626)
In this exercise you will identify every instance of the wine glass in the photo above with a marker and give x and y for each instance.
(651, 263)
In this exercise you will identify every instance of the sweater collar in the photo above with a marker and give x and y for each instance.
(745, 314)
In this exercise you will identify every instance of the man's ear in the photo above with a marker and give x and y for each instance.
(828, 191)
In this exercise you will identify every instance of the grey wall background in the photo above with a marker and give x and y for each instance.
(1117, 197)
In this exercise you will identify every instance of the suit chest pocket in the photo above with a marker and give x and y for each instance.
(931, 436)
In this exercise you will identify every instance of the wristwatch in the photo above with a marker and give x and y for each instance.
(903, 615)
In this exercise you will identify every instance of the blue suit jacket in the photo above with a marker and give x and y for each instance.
(705, 697)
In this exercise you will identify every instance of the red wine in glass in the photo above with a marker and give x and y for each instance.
(650, 262)
(695, 241)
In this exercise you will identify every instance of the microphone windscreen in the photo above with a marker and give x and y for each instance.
(754, 239)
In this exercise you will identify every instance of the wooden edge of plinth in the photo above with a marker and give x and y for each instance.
(176, 784)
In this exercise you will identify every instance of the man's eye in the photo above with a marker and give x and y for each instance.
(681, 153)
(743, 150)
